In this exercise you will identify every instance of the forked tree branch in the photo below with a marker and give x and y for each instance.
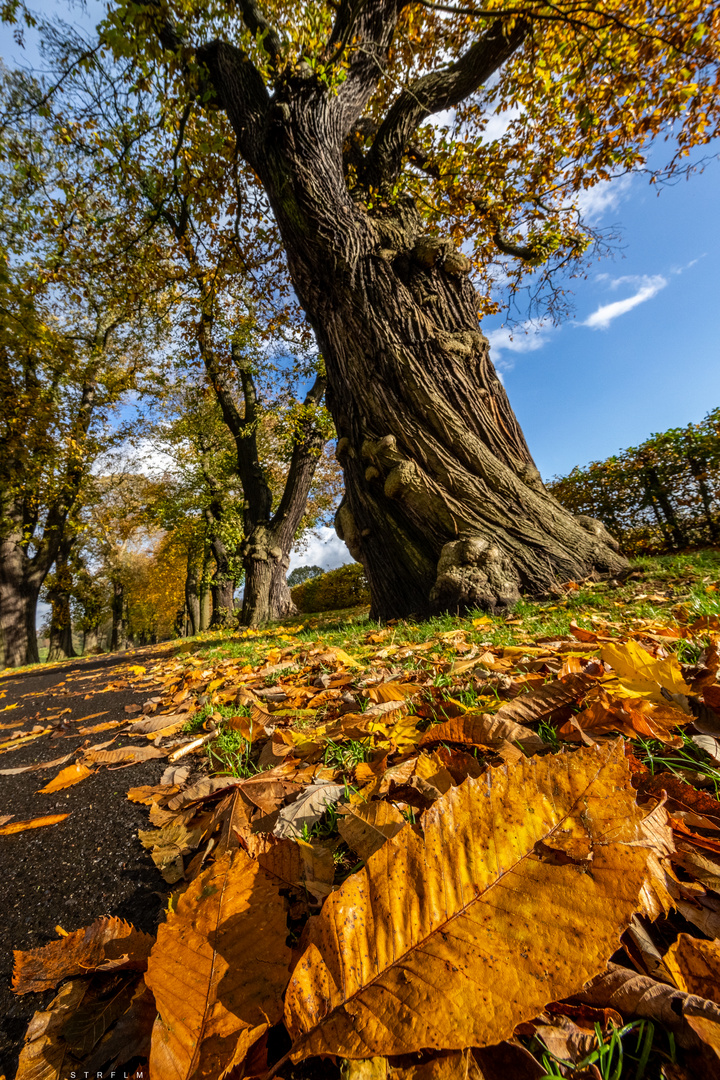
(442, 89)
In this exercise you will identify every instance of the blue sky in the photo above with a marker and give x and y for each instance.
(641, 354)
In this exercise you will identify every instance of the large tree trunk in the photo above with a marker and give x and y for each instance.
(444, 506)
(19, 591)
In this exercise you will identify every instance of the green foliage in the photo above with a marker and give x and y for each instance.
(341, 588)
(660, 496)
(302, 574)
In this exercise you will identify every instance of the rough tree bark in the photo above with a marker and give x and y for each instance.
(444, 505)
(61, 639)
(19, 592)
(118, 638)
(192, 591)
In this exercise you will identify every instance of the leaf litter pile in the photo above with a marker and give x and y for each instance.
(459, 849)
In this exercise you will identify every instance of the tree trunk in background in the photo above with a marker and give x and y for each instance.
(444, 506)
(117, 635)
(223, 587)
(19, 592)
(58, 594)
(192, 595)
(267, 593)
(700, 470)
(90, 641)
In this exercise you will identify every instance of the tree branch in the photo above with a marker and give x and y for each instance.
(257, 24)
(308, 444)
(442, 89)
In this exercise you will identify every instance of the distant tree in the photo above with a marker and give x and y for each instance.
(74, 341)
(303, 573)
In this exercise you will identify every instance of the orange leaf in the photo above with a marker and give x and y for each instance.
(33, 823)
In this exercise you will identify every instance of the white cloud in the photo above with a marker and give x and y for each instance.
(648, 287)
(527, 337)
(323, 547)
(143, 456)
(498, 124)
(596, 201)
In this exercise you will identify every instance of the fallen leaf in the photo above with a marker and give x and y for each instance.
(108, 944)
(695, 966)
(175, 774)
(66, 778)
(45, 1054)
(107, 726)
(38, 765)
(307, 809)
(298, 863)
(122, 755)
(542, 703)
(639, 995)
(23, 740)
(477, 931)
(128, 1038)
(483, 729)
(158, 723)
(218, 970)
(641, 675)
(367, 826)
(33, 823)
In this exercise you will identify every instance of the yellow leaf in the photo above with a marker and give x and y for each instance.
(368, 826)
(642, 675)
(33, 823)
(73, 774)
(13, 744)
(138, 669)
(452, 937)
(695, 966)
(218, 970)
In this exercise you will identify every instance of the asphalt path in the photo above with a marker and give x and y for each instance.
(92, 863)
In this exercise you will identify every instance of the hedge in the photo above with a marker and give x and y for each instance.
(661, 496)
(342, 588)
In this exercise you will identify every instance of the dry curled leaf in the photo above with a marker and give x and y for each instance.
(483, 729)
(45, 1054)
(639, 995)
(36, 766)
(218, 971)
(32, 823)
(123, 755)
(107, 944)
(307, 809)
(450, 938)
(541, 703)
